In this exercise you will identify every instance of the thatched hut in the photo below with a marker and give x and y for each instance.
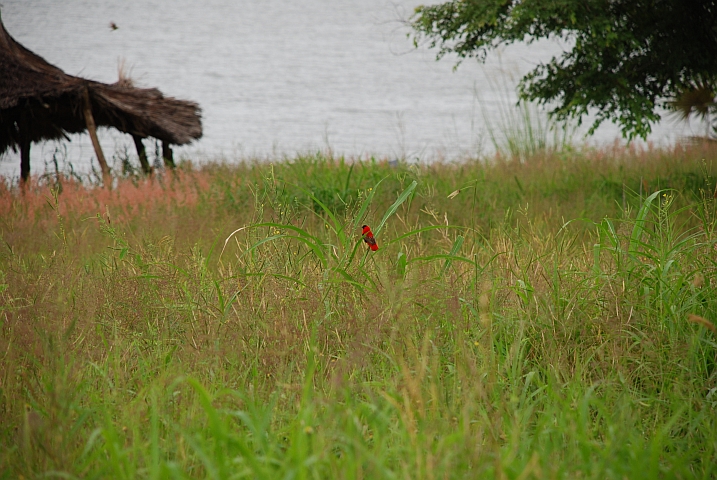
(38, 101)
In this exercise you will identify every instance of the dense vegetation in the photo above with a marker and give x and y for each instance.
(623, 58)
(545, 318)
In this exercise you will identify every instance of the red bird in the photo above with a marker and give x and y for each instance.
(368, 238)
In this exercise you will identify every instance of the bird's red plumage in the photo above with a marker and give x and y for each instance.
(368, 238)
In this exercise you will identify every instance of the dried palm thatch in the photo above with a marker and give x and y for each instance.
(696, 99)
(38, 101)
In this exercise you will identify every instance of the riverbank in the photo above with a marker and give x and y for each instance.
(546, 318)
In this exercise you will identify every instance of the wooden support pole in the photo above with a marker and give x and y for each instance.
(92, 129)
(168, 155)
(24, 159)
(24, 137)
(142, 154)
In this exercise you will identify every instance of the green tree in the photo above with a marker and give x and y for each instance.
(628, 57)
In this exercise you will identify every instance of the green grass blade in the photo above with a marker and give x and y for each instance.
(392, 209)
(639, 228)
(453, 253)
(358, 218)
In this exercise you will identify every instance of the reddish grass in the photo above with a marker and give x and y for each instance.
(126, 200)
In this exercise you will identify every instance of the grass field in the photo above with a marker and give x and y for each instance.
(545, 318)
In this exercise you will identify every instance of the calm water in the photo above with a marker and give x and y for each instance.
(277, 77)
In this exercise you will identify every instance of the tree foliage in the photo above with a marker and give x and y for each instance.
(627, 57)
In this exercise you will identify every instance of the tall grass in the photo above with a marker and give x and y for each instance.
(525, 131)
(520, 320)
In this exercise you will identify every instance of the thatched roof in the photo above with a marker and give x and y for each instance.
(49, 103)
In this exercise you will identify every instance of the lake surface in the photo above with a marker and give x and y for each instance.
(278, 77)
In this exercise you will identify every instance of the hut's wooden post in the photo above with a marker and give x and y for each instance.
(167, 155)
(24, 160)
(142, 154)
(92, 128)
(24, 150)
